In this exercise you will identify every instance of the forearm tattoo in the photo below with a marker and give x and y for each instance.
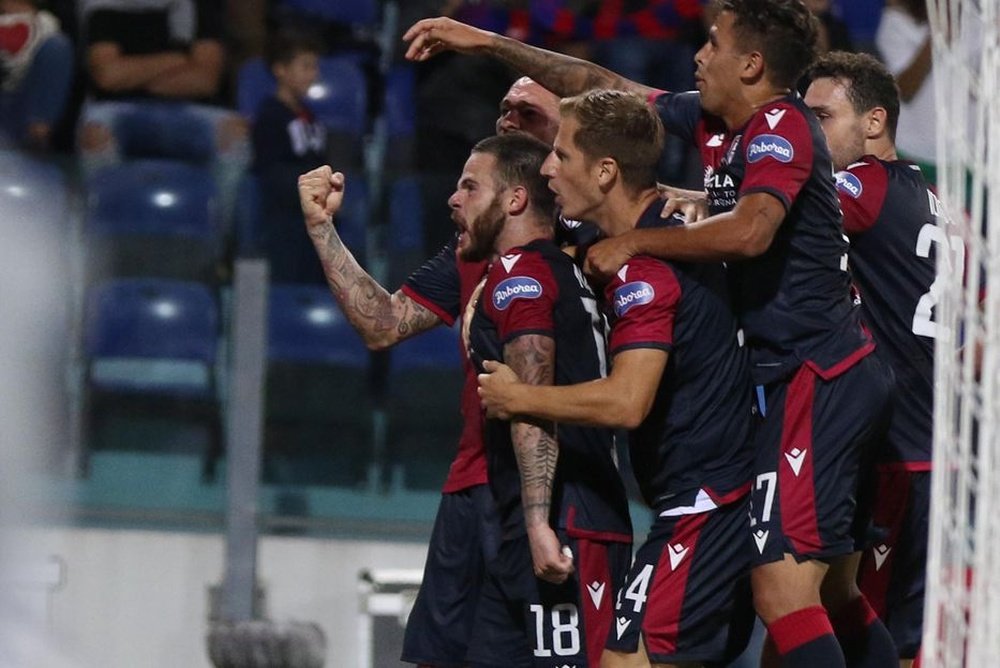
(561, 74)
(379, 317)
(532, 357)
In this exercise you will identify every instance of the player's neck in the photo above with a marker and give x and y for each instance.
(882, 148)
(753, 98)
(623, 209)
(521, 231)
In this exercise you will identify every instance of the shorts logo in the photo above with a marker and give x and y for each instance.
(881, 553)
(760, 538)
(763, 146)
(849, 183)
(621, 623)
(676, 554)
(516, 287)
(795, 458)
(596, 591)
(632, 294)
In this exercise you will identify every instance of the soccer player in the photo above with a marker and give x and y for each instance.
(466, 532)
(777, 224)
(555, 487)
(894, 221)
(679, 381)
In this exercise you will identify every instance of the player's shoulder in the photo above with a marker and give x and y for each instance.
(641, 281)
(861, 177)
(521, 273)
(779, 131)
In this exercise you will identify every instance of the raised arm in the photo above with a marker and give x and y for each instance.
(382, 319)
(622, 400)
(561, 74)
(532, 359)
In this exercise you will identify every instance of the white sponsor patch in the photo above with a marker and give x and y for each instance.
(515, 287)
(770, 146)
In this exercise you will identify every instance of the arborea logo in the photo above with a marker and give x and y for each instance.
(515, 287)
(763, 146)
(849, 183)
(632, 294)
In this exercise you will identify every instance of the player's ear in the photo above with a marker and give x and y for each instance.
(517, 200)
(876, 123)
(606, 170)
(753, 66)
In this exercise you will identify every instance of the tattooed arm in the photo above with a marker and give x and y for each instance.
(532, 358)
(561, 74)
(382, 319)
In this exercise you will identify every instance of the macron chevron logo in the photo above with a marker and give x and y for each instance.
(760, 538)
(676, 554)
(621, 623)
(509, 261)
(596, 591)
(881, 553)
(715, 141)
(622, 273)
(795, 458)
(774, 117)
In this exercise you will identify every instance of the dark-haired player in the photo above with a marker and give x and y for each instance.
(555, 487)
(894, 222)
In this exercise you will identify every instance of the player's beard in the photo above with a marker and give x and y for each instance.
(483, 233)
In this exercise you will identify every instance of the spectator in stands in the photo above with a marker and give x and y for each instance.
(155, 69)
(36, 65)
(904, 42)
(833, 32)
(288, 141)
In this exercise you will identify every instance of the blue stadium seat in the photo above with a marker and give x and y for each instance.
(319, 424)
(424, 422)
(150, 349)
(167, 131)
(406, 228)
(349, 12)
(153, 217)
(400, 112)
(33, 190)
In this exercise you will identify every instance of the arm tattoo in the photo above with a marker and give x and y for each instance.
(561, 74)
(380, 318)
(532, 357)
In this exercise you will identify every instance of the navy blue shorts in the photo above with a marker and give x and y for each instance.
(688, 592)
(524, 622)
(893, 571)
(466, 537)
(815, 443)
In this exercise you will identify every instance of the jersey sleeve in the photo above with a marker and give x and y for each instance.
(861, 189)
(520, 296)
(436, 285)
(779, 153)
(680, 113)
(644, 297)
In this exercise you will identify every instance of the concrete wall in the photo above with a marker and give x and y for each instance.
(139, 599)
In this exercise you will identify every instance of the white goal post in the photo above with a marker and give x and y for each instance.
(962, 614)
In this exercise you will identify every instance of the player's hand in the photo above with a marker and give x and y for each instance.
(552, 562)
(690, 205)
(321, 193)
(470, 311)
(497, 388)
(432, 36)
(607, 256)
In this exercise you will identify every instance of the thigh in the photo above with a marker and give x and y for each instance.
(688, 594)
(811, 444)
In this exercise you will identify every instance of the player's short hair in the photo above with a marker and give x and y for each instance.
(784, 31)
(287, 43)
(519, 158)
(866, 80)
(618, 125)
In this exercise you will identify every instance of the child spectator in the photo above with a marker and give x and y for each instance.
(288, 141)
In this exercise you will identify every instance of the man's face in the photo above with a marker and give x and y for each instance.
(529, 108)
(571, 176)
(476, 208)
(844, 128)
(718, 66)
